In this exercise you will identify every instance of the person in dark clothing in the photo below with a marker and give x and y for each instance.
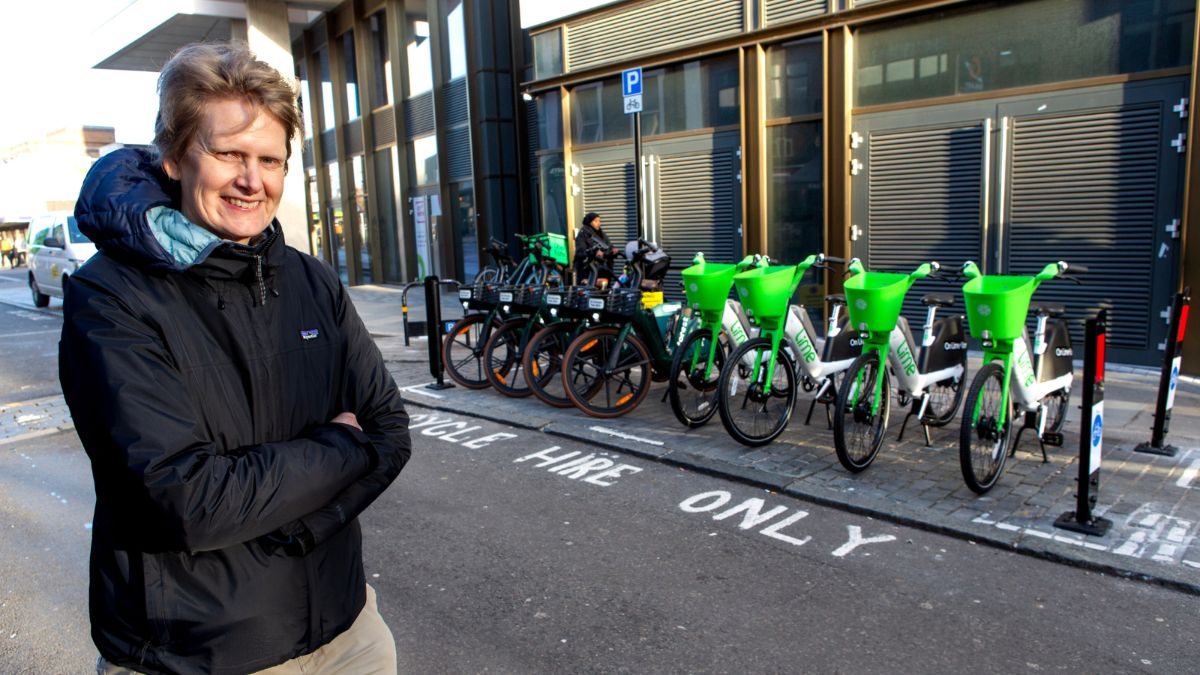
(237, 415)
(590, 237)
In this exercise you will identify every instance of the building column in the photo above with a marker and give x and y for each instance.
(268, 36)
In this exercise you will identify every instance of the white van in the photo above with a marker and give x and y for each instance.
(56, 249)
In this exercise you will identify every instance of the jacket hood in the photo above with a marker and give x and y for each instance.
(129, 208)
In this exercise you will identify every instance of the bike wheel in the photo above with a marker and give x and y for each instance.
(487, 275)
(693, 393)
(983, 444)
(597, 389)
(944, 398)
(1056, 409)
(542, 362)
(857, 432)
(502, 354)
(462, 352)
(751, 416)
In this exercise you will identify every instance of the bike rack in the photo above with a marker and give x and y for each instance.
(1172, 362)
(420, 327)
(1091, 435)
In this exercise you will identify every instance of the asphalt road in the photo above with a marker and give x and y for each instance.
(504, 555)
(29, 360)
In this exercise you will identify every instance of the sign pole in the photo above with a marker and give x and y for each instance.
(631, 90)
(1169, 380)
(637, 171)
(433, 332)
(1091, 435)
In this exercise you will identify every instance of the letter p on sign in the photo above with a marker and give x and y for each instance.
(631, 82)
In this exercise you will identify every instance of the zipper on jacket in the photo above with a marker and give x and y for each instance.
(258, 276)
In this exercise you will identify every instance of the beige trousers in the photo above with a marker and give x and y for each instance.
(366, 648)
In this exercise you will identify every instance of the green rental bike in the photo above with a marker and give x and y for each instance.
(758, 386)
(931, 375)
(696, 366)
(1018, 378)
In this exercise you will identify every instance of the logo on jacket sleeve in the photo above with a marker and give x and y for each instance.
(309, 334)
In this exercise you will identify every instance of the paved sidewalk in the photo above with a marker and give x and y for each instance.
(1154, 502)
(23, 420)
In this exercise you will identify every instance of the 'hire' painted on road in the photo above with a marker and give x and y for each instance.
(577, 466)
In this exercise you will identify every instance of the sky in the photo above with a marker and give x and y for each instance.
(46, 83)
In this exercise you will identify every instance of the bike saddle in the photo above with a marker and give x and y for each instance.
(836, 298)
(938, 300)
(1050, 309)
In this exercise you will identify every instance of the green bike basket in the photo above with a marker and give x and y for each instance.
(707, 287)
(998, 305)
(764, 293)
(556, 244)
(874, 300)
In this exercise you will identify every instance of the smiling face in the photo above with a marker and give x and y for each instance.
(232, 173)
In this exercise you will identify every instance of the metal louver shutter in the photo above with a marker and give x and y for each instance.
(383, 124)
(532, 141)
(608, 190)
(696, 202)
(458, 153)
(649, 27)
(924, 202)
(1085, 190)
(418, 115)
(456, 101)
(780, 11)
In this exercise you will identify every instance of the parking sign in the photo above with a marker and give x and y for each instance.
(631, 82)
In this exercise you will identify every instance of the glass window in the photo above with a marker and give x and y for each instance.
(680, 97)
(795, 222)
(361, 221)
(58, 235)
(598, 113)
(552, 193)
(388, 190)
(425, 160)
(302, 97)
(314, 216)
(547, 54)
(795, 79)
(327, 120)
(462, 217)
(549, 121)
(420, 64)
(336, 230)
(1007, 44)
(73, 229)
(381, 63)
(456, 39)
(351, 68)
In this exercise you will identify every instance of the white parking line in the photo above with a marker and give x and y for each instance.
(618, 434)
(420, 389)
(29, 333)
(1189, 475)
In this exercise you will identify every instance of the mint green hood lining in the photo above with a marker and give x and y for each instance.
(186, 242)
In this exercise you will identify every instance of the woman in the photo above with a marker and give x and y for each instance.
(593, 251)
(236, 413)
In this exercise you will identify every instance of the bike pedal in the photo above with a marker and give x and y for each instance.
(1053, 438)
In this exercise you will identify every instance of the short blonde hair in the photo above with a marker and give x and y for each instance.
(201, 73)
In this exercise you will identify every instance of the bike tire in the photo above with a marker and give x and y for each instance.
(858, 434)
(693, 395)
(502, 354)
(543, 359)
(462, 353)
(748, 416)
(1056, 409)
(983, 447)
(945, 397)
(597, 392)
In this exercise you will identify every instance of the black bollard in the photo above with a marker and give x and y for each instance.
(1091, 435)
(433, 331)
(1169, 379)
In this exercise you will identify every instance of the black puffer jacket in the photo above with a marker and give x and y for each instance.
(225, 537)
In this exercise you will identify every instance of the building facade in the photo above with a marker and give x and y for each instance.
(1009, 133)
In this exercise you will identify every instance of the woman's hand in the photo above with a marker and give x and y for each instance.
(347, 418)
